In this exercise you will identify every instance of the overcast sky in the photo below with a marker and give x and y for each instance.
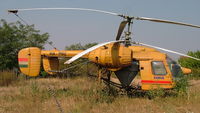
(69, 27)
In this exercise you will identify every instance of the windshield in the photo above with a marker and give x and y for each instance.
(174, 67)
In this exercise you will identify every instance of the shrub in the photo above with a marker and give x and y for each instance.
(155, 93)
(181, 86)
(191, 63)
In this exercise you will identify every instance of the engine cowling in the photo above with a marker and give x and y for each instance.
(113, 56)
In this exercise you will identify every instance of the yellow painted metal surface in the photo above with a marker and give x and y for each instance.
(145, 53)
(186, 70)
(112, 56)
(61, 53)
(50, 64)
(149, 79)
(142, 49)
(29, 60)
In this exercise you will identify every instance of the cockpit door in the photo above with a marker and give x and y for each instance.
(155, 74)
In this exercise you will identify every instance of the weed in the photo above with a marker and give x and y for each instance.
(155, 93)
(34, 88)
(195, 74)
(7, 77)
(106, 95)
(80, 95)
(181, 86)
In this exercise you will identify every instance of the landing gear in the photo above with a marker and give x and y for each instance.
(104, 74)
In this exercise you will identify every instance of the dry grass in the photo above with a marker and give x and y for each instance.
(7, 77)
(81, 95)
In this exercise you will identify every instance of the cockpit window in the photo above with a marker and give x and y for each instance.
(174, 67)
(176, 70)
(158, 68)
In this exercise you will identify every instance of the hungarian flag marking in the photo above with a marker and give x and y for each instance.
(23, 62)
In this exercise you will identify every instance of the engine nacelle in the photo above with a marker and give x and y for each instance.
(111, 56)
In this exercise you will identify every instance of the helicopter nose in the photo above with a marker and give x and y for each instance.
(186, 70)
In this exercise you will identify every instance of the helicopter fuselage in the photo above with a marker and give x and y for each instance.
(156, 68)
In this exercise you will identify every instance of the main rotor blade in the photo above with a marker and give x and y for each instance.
(170, 51)
(107, 12)
(166, 21)
(81, 9)
(121, 29)
(89, 50)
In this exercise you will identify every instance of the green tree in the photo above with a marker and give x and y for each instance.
(78, 46)
(15, 36)
(191, 63)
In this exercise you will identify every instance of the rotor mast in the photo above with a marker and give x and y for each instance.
(128, 32)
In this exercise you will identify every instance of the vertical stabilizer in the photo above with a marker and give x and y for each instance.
(29, 60)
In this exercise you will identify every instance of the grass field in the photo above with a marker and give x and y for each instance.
(85, 95)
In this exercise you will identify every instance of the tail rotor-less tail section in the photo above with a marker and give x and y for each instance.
(29, 60)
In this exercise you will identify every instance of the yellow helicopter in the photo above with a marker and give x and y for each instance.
(124, 57)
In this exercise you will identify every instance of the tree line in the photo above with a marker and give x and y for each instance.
(15, 36)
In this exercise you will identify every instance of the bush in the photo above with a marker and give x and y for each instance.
(181, 86)
(191, 63)
(155, 93)
(106, 95)
(195, 74)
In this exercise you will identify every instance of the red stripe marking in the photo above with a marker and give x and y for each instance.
(23, 59)
(151, 81)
